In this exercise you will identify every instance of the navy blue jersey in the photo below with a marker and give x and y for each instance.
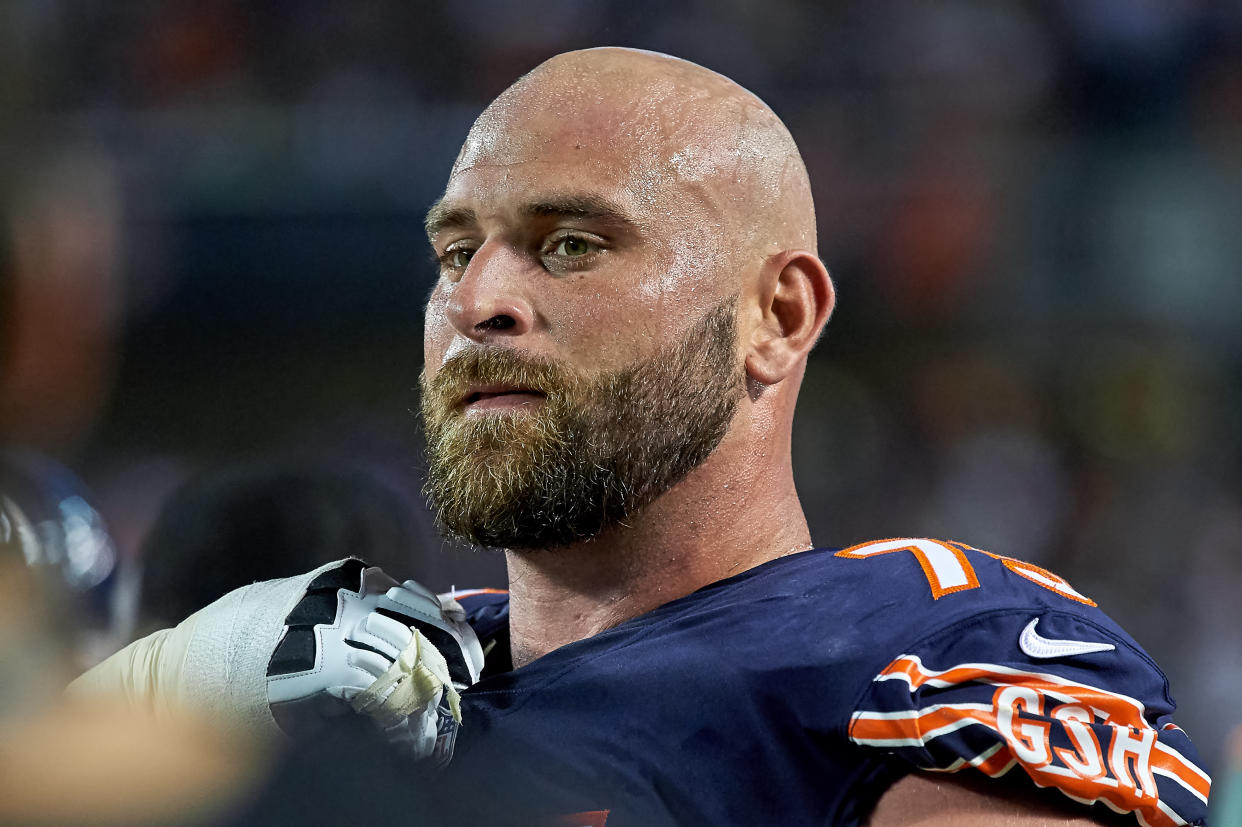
(797, 692)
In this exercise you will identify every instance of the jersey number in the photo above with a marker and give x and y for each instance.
(948, 570)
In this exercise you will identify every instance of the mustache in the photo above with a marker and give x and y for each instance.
(493, 366)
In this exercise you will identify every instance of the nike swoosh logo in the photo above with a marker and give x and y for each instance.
(1036, 645)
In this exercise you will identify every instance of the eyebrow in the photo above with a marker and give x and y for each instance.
(443, 216)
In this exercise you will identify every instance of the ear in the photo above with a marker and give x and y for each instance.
(795, 299)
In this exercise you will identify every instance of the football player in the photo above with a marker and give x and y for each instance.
(628, 290)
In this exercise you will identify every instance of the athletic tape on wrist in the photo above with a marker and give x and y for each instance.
(414, 681)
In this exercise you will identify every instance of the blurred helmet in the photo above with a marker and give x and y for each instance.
(47, 518)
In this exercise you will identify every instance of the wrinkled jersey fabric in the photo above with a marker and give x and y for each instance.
(799, 691)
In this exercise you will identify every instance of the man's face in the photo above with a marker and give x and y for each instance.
(592, 451)
(580, 344)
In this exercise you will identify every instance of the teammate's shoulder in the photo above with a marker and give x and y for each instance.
(469, 598)
(487, 610)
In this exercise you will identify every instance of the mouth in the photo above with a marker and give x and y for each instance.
(499, 398)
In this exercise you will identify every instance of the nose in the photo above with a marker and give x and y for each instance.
(490, 299)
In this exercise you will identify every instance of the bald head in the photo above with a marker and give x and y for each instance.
(608, 200)
(665, 125)
(618, 213)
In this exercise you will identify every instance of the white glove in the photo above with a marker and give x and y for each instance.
(396, 653)
(281, 654)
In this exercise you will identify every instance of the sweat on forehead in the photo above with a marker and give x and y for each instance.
(659, 120)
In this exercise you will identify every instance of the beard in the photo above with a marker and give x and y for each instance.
(595, 452)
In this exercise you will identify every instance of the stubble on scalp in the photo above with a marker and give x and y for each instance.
(596, 451)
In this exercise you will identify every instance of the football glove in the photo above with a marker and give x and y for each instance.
(285, 655)
(394, 652)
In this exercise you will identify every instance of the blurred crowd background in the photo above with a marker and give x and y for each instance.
(213, 271)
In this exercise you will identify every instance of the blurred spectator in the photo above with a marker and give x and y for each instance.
(98, 763)
(104, 761)
(59, 532)
(61, 304)
(37, 624)
(236, 524)
(1227, 791)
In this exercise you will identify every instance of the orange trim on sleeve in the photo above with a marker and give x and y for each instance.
(1121, 773)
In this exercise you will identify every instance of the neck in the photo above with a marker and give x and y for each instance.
(734, 512)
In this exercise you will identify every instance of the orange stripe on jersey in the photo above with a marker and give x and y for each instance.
(888, 729)
(1169, 762)
(1023, 711)
(594, 818)
(997, 764)
(993, 762)
(999, 760)
(910, 668)
(458, 595)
